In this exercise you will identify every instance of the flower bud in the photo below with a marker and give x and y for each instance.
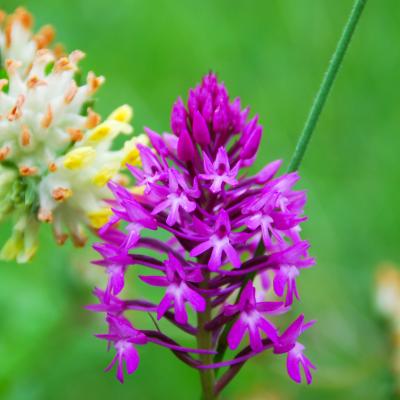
(186, 149)
(178, 117)
(200, 129)
(253, 142)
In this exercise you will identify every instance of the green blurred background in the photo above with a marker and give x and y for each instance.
(272, 53)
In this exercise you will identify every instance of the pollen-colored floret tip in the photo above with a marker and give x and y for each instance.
(194, 187)
(57, 145)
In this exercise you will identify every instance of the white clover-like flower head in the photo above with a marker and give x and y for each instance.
(55, 153)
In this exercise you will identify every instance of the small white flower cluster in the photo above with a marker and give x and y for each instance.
(55, 153)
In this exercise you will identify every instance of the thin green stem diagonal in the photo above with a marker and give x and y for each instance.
(326, 85)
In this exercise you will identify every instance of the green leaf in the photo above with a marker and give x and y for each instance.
(87, 104)
(4, 75)
(6, 207)
(31, 194)
(49, 68)
(78, 77)
(8, 164)
(17, 192)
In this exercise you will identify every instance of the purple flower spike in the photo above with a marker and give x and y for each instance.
(225, 232)
(178, 291)
(220, 171)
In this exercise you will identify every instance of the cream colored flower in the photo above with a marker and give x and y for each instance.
(55, 152)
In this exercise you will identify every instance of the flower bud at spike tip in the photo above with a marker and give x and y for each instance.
(185, 146)
(200, 129)
(178, 117)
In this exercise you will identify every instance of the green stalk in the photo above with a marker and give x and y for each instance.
(326, 85)
(204, 341)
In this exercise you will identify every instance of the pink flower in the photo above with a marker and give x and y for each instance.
(251, 319)
(124, 336)
(220, 171)
(178, 293)
(220, 240)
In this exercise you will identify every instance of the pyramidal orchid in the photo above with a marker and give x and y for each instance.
(223, 229)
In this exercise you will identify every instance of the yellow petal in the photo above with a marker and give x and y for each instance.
(122, 114)
(79, 158)
(99, 218)
(104, 175)
(100, 132)
(131, 153)
(17, 248)
(131, 157)
(11, 249)
(139, 190)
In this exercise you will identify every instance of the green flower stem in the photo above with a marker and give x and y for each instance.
(326, 84)
(204, 341)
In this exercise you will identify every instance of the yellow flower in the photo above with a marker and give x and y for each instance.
(22, 244)
(131, 152)
(99, 217)
(122, 114)
(100, 132)
(104, 175)
(139, 190)
(79, 158)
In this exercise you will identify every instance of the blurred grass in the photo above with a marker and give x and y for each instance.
(271, 53)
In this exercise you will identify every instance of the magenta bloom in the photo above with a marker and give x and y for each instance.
(178, 291)
(251, 319)
(285, 277)
(297, 359)
(152, 169)
(220, 171)
(220, 240)
(178, 197)
(222, 228)
(124, 336)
